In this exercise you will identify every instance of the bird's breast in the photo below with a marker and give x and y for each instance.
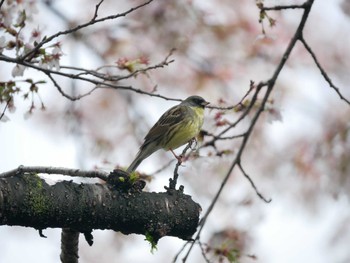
(188, 129)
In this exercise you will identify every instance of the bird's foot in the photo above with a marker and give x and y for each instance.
(193, 143)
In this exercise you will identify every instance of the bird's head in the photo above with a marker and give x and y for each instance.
(195, 101)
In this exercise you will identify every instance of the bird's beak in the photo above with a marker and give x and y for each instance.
(205, 103)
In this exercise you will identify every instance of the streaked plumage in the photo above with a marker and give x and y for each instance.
(175, 127)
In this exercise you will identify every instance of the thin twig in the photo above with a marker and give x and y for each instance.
(58, 87)
(237, 104)
(173, 182)
(7, 104)
(231, 126)
(323, 72)
(96, 10)
(32, 53)
(219, 138)
(73, 76)
(201, 246)
(56, 170)
(100, 83)
(1, 3)
(282, 7)
(232, 137)
(253, 184)
(107, 77)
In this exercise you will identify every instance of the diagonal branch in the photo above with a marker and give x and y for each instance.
(60, 90)
(6, 106)
(270, 85)
(323, 72)
(253, 184)
(97, 7)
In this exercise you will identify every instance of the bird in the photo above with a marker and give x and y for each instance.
(176, 127)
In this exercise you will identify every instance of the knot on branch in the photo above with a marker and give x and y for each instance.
(123, 181)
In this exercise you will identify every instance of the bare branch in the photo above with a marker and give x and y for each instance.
(104, 80)
(3, 112)
(219, 138)
(251, 88)
(203, 251)
(270, 85)
(96, 10)
(107, 77)
(56, 170)
(65, 94)
(282, 7)
(32, 53)
(323, 72)
(231, 126)
(173, 182)
(253, 185)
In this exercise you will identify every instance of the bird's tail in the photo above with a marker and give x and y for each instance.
(138, 159)
(144, 152)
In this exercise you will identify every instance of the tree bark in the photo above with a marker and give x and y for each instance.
(69, 246)
(27, 200)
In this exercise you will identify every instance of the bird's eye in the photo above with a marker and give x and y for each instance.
(198, 101)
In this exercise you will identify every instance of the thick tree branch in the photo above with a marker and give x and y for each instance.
(27, 200)
(69, 246)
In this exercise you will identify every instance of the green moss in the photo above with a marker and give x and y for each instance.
(152, 241)
(37, 201)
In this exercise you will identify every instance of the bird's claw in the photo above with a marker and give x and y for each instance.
(191, 142)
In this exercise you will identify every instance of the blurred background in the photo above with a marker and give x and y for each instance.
(298, 154)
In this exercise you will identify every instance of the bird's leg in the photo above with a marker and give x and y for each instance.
(179, 158)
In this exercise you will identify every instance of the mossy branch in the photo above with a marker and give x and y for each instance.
(27, 200)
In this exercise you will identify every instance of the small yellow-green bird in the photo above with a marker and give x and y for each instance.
(175, 127)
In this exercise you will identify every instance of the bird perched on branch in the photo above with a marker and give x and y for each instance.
(177, 126)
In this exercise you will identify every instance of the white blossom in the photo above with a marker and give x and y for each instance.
(18, 71)
(274, 114)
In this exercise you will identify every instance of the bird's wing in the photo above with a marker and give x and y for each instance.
(168, 120)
